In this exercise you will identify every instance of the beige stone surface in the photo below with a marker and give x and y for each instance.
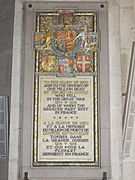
(126, 25)
(126, 3)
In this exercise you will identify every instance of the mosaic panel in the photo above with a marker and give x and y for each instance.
(65, 122)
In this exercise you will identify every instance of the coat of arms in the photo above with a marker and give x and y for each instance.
(48, 63)
(93, 41)
(64, 42)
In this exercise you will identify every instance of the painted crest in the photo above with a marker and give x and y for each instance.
(67, 66)
(64, 40)
(49, 63)
(67, 18)
(93, 41)
(84, 64)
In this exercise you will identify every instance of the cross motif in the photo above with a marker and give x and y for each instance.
(83, 64)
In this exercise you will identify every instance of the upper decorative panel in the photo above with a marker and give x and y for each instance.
(66, 43)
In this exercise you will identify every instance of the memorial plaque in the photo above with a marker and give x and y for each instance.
(65, 125)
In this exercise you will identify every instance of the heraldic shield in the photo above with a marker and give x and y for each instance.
(65, 40)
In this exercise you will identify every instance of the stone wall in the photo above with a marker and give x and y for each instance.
(127, 32)
(127, 24)
(6, 44)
